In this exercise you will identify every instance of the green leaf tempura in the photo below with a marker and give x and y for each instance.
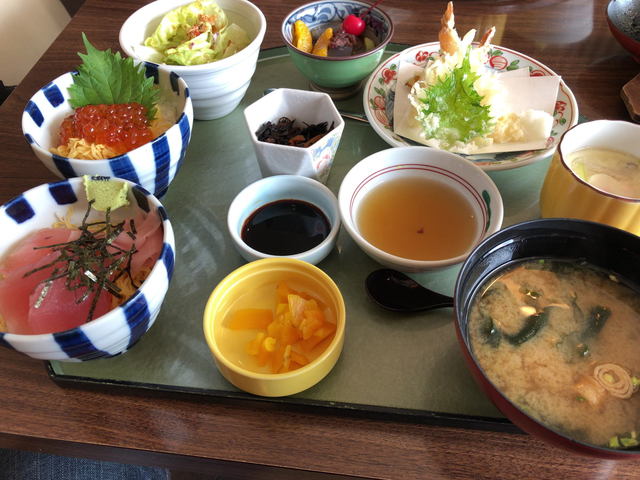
(451, 110)
(107, 78)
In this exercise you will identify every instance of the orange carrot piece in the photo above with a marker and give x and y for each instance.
(309, 326)
(253, 346)
(289, 335)
(250, 319)
(277, 360)
(282, 292)
(318, 336)
(298, 358)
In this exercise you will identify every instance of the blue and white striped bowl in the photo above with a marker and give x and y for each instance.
(153, 165)
(116, 331)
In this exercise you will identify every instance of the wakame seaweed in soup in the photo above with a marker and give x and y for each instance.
(560, 340)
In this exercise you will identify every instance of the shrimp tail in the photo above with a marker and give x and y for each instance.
(487, 37)
(448, 36)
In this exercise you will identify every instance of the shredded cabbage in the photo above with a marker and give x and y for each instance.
(194, 34)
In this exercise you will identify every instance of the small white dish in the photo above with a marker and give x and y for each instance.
(283, 187)
(379, 97)
(446, 167)
(304, 107)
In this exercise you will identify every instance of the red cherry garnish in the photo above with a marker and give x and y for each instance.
(356, 25)
(353, 25)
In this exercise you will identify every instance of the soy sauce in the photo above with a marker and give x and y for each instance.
(285, 227)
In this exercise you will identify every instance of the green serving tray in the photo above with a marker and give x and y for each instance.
(391, 364)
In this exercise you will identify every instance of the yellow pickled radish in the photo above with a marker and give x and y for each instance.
(322, 44)
(302, 37)
(289, 335)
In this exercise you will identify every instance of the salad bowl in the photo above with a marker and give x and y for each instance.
(117, 330)
(379, 98)
(216, 87)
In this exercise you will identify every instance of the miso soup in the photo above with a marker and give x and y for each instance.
(560, 341)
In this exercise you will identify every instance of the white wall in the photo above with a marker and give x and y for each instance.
(27, 28)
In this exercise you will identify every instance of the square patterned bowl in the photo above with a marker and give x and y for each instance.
(305, 107)
(120, 328)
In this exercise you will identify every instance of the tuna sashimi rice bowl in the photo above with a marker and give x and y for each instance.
(79, 255)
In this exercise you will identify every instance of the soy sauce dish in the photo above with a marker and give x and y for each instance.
(548, 319)
(284, 216)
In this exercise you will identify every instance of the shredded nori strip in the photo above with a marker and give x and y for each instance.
(286, 132)
(91, 263)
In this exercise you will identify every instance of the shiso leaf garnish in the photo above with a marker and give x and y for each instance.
(107, 78)
(457, 106)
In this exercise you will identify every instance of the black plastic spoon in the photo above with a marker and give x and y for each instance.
(396, 291)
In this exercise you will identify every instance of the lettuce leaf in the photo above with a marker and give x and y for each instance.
(107, 78)
(216, 38)
(451, 110)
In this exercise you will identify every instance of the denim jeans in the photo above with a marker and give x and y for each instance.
(21, 465)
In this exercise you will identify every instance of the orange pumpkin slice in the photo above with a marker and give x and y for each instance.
(322, 44)
(302, 37)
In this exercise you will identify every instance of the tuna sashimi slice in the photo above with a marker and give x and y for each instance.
(25, 253)
(15, 290)
(60, 311)
(148, 242)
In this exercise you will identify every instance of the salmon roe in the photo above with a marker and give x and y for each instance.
(122, 127)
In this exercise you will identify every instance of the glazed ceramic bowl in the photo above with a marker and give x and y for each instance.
(153, 165)
(565, 194)
(218, 87)
(336, 72)
(465, 178)
(574, 240)
(622, 18)
(304, 107)
(116, 331)
(254, 285)
(283, 187)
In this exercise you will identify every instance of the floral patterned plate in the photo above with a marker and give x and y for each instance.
(379, 93)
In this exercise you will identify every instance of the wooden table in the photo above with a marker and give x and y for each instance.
(243, 441)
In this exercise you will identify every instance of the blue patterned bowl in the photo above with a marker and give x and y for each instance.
(153, 165)
(337, 72)
(116, 331)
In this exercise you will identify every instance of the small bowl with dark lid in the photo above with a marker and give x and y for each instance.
(622, 18)
(284, 216)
